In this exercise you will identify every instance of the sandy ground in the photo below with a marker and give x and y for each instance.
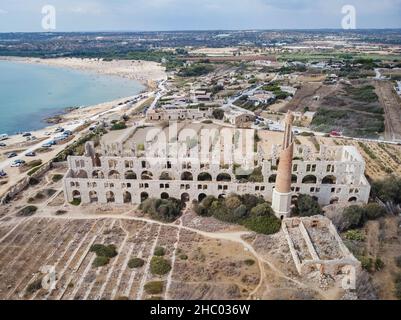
(142, 71)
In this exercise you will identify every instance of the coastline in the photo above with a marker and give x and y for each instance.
(144, 72)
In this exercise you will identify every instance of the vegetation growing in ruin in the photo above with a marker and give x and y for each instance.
(34, 170)
(387, 190)
(218, 114)
(248, 176)
(356, 216)
(118, 126)
(165, 210)
(306, 206)
(248, 210)
(77, 148)
(354, 235)
(159, 266)
(76, 202)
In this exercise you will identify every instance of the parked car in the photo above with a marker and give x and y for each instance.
(26, 134)
(3, 144)
(12, 155)
(18, 163)
(60, 138)
(47, 145)
(59, 129)
(67, 133)
(3, 136)
(31, 154)
(3, 174)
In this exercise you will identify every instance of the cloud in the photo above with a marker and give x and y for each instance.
(3, 11)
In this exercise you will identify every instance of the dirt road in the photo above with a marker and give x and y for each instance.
(391, 104)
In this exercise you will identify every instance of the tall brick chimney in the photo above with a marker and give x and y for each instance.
(282, 195)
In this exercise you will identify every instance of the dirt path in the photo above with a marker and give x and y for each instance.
(228, 236)
(391, 104)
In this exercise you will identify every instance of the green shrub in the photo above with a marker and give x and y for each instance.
(398, 261)
(366, 263)
(101, 250)
(354, 235)
(57, 177)
(159, 251)
(196, 70)
(165, 210)
(249, 262)
(154, 287)
(27, 211)
(353, 217)
(265, 224)
(261, 210)
(34, 163)
(183, 257)
(34, 170)
(397, 285)
(307, 206)
(218, 114)
(159, 266)
(118, 126)
(100, 261)
(374, 211)
(34, 286)
(387, 190)
(76, 202)
(249, 210)
(379, 264)
(136, 263)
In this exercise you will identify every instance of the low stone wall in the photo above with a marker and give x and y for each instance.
(24, 183)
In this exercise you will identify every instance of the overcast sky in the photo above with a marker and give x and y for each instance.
(146, 15)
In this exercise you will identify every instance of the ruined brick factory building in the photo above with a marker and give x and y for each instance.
(117, 172)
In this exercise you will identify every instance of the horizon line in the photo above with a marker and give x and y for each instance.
(210, 30)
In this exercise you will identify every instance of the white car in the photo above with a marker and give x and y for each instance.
(16, 165)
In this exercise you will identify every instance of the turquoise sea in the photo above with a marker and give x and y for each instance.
(29, 93)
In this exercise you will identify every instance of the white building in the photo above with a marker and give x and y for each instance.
(118, 173)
